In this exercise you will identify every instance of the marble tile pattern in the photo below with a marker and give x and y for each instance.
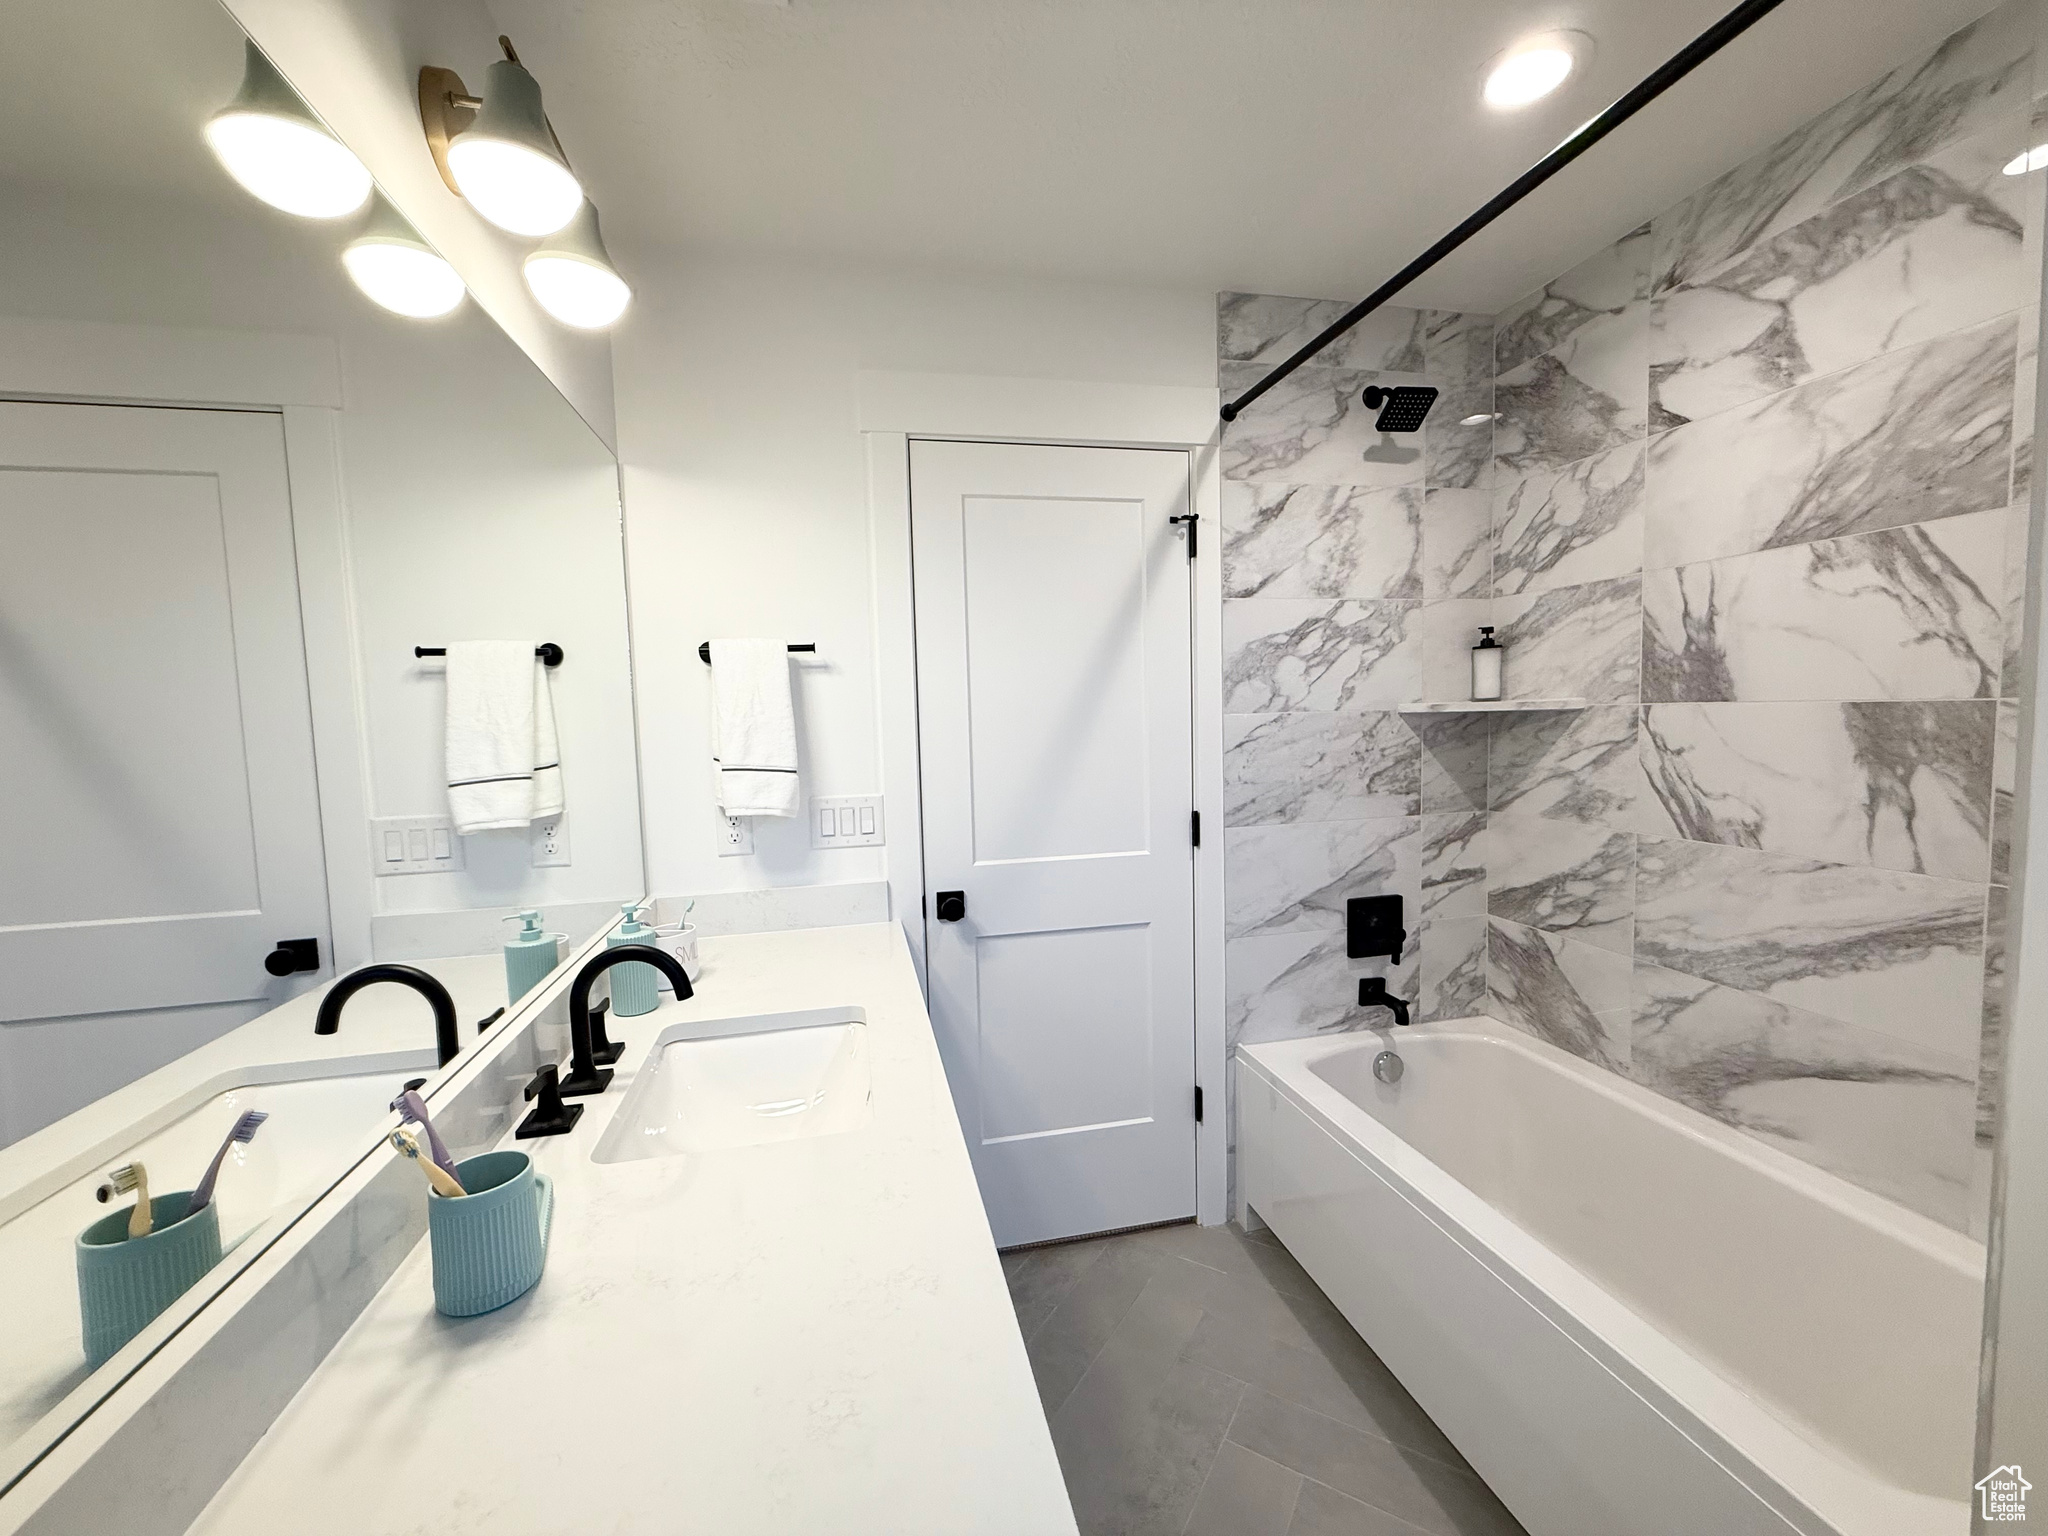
(1555, 528)
(1970, 81)
(1755, 485)
(1921, 433)
(1935, 249)
(1902, 614)
(1335, 553)
(1322, 541)
(1885, 1113)
(1318, 766)
(1755, 494)
(1905, 786)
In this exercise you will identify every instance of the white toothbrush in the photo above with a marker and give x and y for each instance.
(408, 1142)
(129, 1176)
(244, 1130)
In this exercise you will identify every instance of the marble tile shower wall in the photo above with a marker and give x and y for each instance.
(1353, 565)
(1757, 490)
(1760, 488)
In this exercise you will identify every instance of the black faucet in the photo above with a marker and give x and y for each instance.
(445, 1039)
(1373, 993)
(585, 1075)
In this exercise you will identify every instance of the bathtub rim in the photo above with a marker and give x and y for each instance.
(1816, 1489)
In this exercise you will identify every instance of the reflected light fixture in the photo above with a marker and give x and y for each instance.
(1531, 70)
(270, 142)
(1479, 419)
(397, 269)
(2027, 160)
(506, 161)
(572, 276)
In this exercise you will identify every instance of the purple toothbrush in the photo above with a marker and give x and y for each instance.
(412, 1110)
(244, 1131)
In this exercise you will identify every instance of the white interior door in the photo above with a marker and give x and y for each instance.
(155, 740)
(1055, 714)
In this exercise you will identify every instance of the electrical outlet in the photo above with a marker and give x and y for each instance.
(735, 836)
(846, 821)
(551, 843)
(414, 845)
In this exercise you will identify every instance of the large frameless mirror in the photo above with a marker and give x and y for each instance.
(313, 655)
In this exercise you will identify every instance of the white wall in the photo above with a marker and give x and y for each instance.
(746, 497)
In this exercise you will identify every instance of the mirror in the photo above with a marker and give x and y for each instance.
(235, 496)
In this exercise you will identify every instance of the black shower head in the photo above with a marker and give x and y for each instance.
(1401, 406)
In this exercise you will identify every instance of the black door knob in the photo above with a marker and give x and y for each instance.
(951, 906)
(292, 955)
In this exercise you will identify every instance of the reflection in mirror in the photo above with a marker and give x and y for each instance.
(238, 500)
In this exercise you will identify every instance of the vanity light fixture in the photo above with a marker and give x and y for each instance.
(572, 276)
(505, 160)
(270, 142)
(1532, 69)
(397, 269)
(2027, 160)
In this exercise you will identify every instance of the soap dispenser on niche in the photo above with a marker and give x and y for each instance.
(633, 985)
(1487, 656)
(529, 955)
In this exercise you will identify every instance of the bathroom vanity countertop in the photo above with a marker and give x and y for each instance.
(383, 1029)
(811, 1336)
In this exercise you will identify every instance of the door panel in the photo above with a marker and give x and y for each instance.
(1054, 700)
(155, 733)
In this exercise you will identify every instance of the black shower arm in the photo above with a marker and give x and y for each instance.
(1666, 75)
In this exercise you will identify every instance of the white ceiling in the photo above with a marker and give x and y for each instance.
(1290, 146)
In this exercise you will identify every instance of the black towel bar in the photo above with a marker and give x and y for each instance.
(549, 653)
(704, 650)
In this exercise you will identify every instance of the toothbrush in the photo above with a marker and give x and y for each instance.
(412, 1110)
(244, 1131)
(407, 1141)
(129, 1176)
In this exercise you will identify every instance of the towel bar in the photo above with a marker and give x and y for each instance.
(549, 653)
(704, 650)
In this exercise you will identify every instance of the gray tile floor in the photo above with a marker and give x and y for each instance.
(1198, 1383)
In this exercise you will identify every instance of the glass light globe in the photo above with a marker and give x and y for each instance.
(289, 164)
(406, 279)
(576, 292)
(517, 189)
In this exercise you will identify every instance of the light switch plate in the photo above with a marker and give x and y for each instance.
(735, 835)
(551, 842)
(846, 821)
(414, 845)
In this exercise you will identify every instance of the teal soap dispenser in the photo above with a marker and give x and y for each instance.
(633, 984)
(529, 955)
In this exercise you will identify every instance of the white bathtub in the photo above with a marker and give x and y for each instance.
(1633, 1320)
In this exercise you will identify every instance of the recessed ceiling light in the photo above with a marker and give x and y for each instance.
(2027, 160)
(1532, 69)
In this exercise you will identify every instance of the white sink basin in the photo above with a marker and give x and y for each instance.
(313, 1125)
(775, 1077)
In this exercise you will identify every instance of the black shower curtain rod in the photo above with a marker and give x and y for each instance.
(1668, 74)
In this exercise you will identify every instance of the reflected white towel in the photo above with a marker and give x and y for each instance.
(753, 742)
(504, 769)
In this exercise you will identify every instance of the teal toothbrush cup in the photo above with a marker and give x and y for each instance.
(490, 1244)
(124, 1282)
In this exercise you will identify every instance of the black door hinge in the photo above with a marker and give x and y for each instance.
(1194, 521)
(1195, 825)
(1198, 1103)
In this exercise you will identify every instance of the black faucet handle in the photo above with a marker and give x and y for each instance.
(585, 1075)
(550, 1117)
(603, 1049)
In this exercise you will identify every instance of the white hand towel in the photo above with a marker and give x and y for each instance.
(753, 742)
(503, 767)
